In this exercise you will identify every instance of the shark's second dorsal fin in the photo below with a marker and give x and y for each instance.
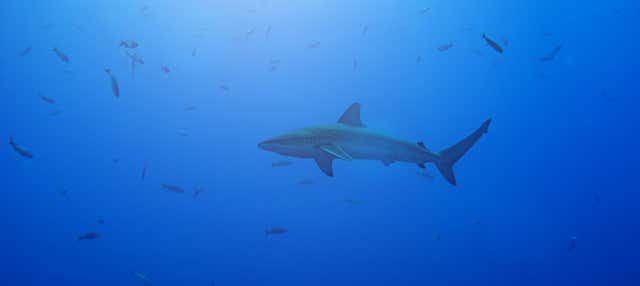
(351, 116)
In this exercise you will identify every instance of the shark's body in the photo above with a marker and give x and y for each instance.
(349, 139)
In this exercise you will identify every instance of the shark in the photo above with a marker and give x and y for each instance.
(349, 139)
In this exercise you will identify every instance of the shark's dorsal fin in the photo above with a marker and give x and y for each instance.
(325, 162)
(336, 151)
(351, 116)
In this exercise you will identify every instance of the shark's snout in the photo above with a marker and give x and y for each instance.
(266, 145)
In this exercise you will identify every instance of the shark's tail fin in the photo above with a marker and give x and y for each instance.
(451, 155)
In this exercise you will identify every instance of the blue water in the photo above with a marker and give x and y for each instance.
(559, 161)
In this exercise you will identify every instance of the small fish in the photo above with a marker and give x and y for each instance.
(424, 10)
(89, 236)
(418, 59)
(267, 33)
(365, 30)
(115, 160)
(47, 99)
(572, 244)
(172, 188)
(142, 277)
(114, 83)
(438, 237)
(352, 202)
(128, 44)
(551, 55)
(492, 44)
(224, 88)
(18, 149)
(248, 33)
(596, 198)
(197, 192)
(194, 52)
(606, 96)
(55, 113)
(445, 47)
(313, 45)
(278, 164)
(25, 52)
(476, 222)
(63, 192)
(165, 69)
(275, 231)
(183, 133)
(135, 60)
(426, 175)
(144, 172)
(355, 64)
(190, 108)
(100, 221)
(62, 56)
(306, 182)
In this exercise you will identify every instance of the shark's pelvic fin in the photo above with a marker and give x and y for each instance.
(451, 155)
(325, 162)
(351, 116)
(336, 151)
(387, 162)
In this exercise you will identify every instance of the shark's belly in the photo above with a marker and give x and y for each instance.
(371, 150)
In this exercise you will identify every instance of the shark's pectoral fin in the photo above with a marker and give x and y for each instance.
(325, 162)
(336, 151)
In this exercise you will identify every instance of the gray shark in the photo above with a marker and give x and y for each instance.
(350, 139)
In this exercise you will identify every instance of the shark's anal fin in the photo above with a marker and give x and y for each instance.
(325, 162)
(421, 165)
(336, 151)
(351, 116)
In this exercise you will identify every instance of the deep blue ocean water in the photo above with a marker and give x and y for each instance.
(547, 197)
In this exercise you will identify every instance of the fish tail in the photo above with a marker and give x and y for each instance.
(448, 157)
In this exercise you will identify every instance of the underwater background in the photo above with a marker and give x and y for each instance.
(547, 197)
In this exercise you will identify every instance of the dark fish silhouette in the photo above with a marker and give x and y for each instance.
(313, 45)
(165, 69)
(197, 192)
(62, 56)
(194, 52)
(18, 149)
(144, 172)
(365, 30)
(172, 188)
(190, 108)
(352, 202)
(55, 113)
(89, 236)
(25, 52)
(47, 99)
(224, 88)
(445, 47)
(306, 182)
(114, 83)
(281, 164)
(63, 192)
(492, 44)
(100, 221)
(129, 44)
(135, 60)
(596, 198)
(572, 244)
(275, 231)
(551, 55)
